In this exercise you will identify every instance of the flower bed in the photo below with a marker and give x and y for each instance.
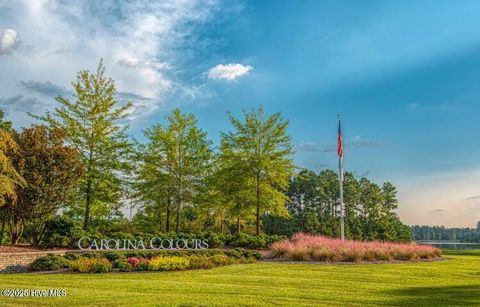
(101, 262)
(303, 247)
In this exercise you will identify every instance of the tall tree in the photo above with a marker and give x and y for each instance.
(263, 152)
(176, 162)
(51, 171)
(5, 124)
(10, 179)
(93, 125)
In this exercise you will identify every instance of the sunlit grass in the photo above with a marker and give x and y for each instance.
(449, 282)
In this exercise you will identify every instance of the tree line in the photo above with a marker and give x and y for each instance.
(81, 163)
(441, 233)
(313, 206)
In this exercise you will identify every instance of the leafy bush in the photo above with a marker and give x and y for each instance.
(89, 265)
(104, 262)
(214, 240)
(133, 261)
(303, 247)
(112, 256)
(251, 241)
(58, 232)
(141, 265)
(48, 263)
(168, 263)
(200, 262)
(122, 265)
(220, 260)
(71, 256)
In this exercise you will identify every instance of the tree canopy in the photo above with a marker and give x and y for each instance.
(93, 125)
(258, 152)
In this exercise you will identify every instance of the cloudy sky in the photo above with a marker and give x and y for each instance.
(405, 75)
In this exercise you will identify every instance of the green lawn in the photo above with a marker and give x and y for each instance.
(451, 282)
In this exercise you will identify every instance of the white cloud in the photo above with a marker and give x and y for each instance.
(8, 41)
(143, 43)
(229, 72)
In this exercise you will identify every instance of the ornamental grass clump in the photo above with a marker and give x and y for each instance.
(304, 247)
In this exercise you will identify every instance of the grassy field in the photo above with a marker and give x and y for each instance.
(451, 282)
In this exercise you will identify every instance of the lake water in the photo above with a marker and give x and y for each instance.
(451, 244)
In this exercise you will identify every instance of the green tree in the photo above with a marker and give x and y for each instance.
(10, 179)
(175, 164)
(5, 124)
(51, 171)
(263, 153)
(93, 125)
(353, 223)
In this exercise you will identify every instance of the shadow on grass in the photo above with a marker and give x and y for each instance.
(467, 295)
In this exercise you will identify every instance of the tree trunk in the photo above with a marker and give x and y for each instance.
(37, 234)
(221, 223)
(258, 204)
(177, 222)
(238, 224)
(88, 198)
(179, 192)
(16, 231)
(4, 222)
(169, 203)
(88, 202)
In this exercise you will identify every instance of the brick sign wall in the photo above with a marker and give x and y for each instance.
(17, 262)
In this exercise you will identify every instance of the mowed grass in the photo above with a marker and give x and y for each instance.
(452, 282)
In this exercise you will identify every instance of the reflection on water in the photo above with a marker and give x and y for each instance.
(451, 244)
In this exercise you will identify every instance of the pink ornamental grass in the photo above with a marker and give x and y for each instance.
(304, 247)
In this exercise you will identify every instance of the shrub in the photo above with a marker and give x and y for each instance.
(302, 247)
(122, 265)
(58, 232)
(71, 256)
(91, 255)
(133, 261)
(141, 265)
(168, 263)
(200, 262)
(251, 241)
(88, 265)
(48, 263)
(112, 256)
(220, 260)
(215, 240)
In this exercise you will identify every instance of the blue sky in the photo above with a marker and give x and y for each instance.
(404, 75)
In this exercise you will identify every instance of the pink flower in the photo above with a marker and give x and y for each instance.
(133, 261)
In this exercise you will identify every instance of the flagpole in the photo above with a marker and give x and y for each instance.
(340, 177)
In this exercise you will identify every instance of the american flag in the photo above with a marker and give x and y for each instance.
(340, 140)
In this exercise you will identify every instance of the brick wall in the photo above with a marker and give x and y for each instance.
(17, 262)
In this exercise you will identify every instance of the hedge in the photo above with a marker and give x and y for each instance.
(143, 260)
